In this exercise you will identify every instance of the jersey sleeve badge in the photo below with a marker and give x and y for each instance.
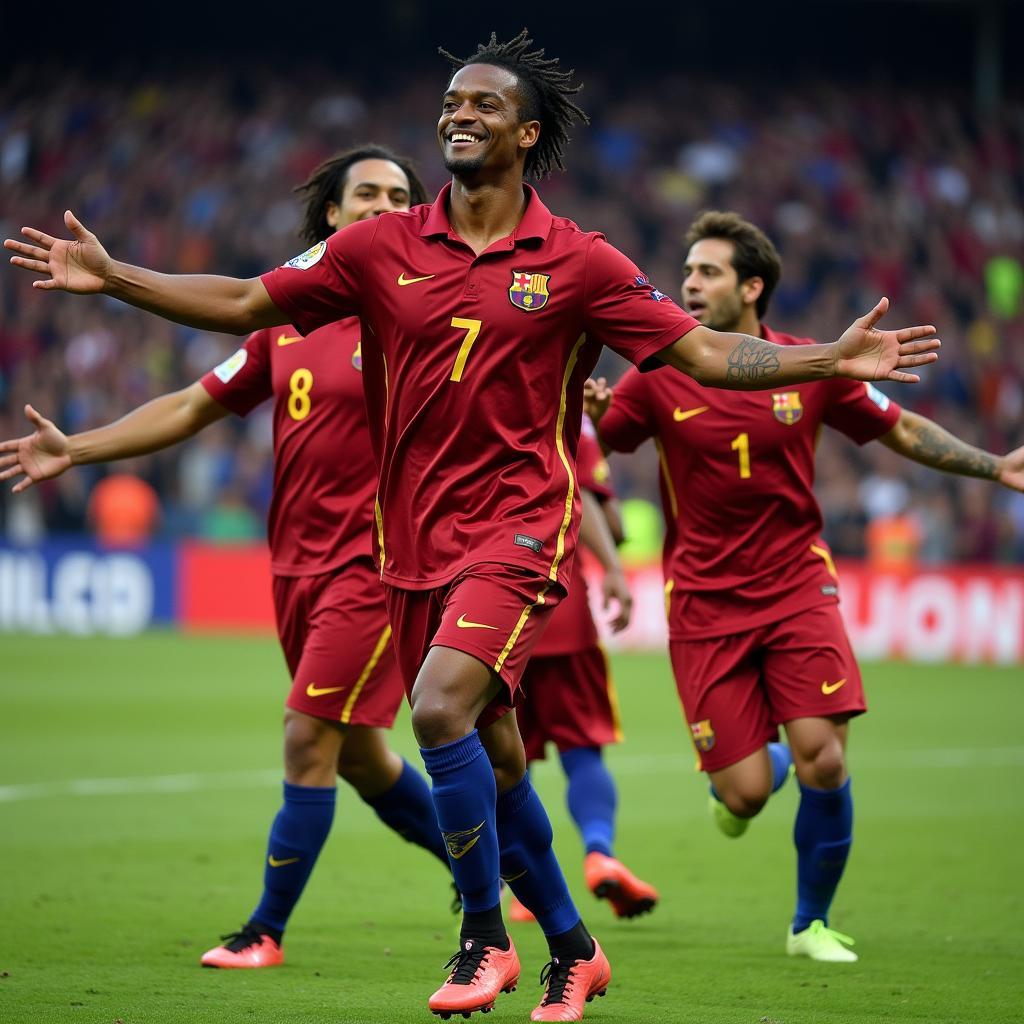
(787, 408)
(876, 396)
(529, 291)
(231, 366)
(311, 256)
(357, 357)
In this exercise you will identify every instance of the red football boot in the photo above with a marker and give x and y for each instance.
(518, 912)
(571, 985)
(610, 879)
(479, 974)
(246, 948)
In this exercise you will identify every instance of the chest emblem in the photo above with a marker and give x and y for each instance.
(528, 291)
(786, 406)
(357, 357)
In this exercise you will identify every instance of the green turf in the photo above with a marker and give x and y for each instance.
(107, 901)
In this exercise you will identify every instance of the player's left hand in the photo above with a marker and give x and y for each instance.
(614, 588)
(597, 396)
(1011, 469)
(866, 353)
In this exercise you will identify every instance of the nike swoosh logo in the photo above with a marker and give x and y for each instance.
(827, 688)
(403, 280)
(312, 691)
(464, 623)
(283, 339)
(275, 863)
(679, 415)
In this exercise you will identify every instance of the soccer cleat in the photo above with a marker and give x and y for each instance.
(819, 942)
(610, 879)
(479, 973)
(248, 947)
(727, 822)
(569, 986)
(518, 912)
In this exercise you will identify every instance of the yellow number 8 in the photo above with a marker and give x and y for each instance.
(300, 384)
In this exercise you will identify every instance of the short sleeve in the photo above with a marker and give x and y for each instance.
(592, 470)
(860, 411)
(323, 284)
(629, 420)
(243, 380)
(624, 311)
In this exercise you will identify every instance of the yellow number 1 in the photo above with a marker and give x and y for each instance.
(472, 329)
(741, 444)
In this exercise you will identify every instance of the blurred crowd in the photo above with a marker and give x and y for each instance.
(865, 191)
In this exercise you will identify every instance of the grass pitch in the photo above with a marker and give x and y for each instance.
(138, 779)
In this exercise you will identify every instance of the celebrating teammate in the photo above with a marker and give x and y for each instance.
(329, 603)
(570, 700)
(482, 316)
(756, 638)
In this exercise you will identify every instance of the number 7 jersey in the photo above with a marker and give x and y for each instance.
(473, 367)
(742, 544)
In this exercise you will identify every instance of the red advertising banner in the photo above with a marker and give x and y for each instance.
(970, 614)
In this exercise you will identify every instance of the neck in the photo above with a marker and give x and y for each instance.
(748, 323)
(482, 212)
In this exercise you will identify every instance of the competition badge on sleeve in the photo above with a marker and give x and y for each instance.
(787, 408)
(308, 258)
(529, 291)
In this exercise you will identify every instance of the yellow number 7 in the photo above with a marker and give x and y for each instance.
(472, 329)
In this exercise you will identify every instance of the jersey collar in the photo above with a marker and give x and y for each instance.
(536, 221)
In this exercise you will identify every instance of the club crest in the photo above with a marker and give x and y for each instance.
(787, 408)
(528, 291)
(703, 735)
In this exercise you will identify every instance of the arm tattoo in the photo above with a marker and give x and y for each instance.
(753, 359)
(929, 444)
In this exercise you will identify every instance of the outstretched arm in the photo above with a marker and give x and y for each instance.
(165, 421)
(924, 441)
(744, 363)
(596, 534)
(82, 265)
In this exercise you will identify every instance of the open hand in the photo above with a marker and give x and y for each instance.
(78, 265)
(866, 353)
(39, 456)
(1011, 469)
(597, 396)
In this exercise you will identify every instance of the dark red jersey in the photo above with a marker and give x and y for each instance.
(474, 369)
(321, 514)
(571, 627)
(743, 543)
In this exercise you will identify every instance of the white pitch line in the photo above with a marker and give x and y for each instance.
(624, 764)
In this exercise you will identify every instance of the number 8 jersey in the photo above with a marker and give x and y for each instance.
(742, 544)
(473, 367)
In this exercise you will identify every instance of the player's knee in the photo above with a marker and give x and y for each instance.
(434, 723)
(826, 768)
(745, 801)
(310, 745)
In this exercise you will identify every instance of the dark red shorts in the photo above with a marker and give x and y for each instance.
(570, 701)
(737, 690)
(337, 642)
(491, 611)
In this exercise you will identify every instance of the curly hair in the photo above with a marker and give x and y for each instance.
(753, 254)
(327, 183)
(544, 95)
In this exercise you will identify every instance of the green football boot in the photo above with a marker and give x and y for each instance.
(726, 821)
(819, 942)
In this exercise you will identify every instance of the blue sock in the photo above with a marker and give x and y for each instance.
(296, 837)
(782, 758)
(591, 797)
(408, 809)
(528, 864)
(823, 833)
(464, 797)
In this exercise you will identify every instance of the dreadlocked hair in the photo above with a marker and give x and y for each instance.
(544, 95)
(327, 183)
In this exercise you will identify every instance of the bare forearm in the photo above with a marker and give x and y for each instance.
(232, 305)
(596, 534)
(159, 424)
(924, 441)
(741, 362)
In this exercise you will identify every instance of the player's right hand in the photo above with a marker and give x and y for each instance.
(39, 456)
(597, 396)
(78, 265)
